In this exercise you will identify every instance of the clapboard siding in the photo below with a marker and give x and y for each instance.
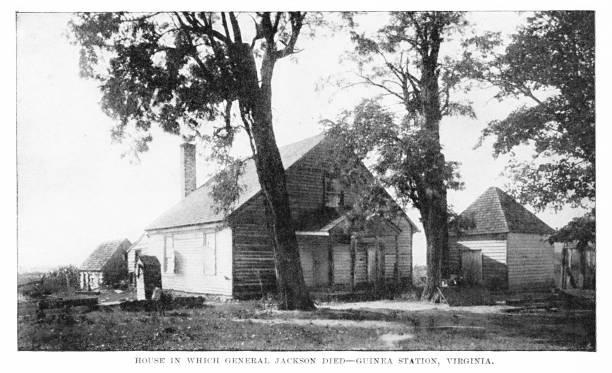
(254, 271)
(188, 274)
(530, 261)
(253, 266)
(493, 249)
(305, 182)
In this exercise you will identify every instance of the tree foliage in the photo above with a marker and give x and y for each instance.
(181, 70)
(395, 147)
(202, 75)
(403, 60)
(551, 61)
(580, 229)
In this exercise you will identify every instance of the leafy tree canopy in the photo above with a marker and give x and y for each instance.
(403, 60)
(183, 69)
(555, 53)
(580, 229)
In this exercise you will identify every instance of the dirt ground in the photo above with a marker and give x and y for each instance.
(253, 325)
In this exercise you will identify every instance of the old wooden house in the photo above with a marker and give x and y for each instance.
(107, 264)
(506, 246)
(203, 250)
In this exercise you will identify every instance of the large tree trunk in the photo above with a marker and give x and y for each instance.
(290, 280)
(257, 100)
(432, 192)
(433, 225)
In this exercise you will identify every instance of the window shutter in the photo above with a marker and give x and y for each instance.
(169, 254)
(209, 256)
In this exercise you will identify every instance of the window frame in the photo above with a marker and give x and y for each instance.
(332, 188)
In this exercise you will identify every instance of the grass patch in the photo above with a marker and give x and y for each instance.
(231, 326)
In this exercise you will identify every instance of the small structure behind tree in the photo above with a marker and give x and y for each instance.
(107, 265)
(506, 247)
(148, 276)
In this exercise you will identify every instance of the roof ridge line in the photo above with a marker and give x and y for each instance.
(498, 195)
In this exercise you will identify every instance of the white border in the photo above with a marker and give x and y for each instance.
(104, 362)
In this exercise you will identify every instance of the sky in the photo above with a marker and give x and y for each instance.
(75, 190)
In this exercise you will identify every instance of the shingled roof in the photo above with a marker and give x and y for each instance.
(496, 212)
(197, 207)
(100, 256)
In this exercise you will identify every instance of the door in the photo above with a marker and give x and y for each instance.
(372, 264)
(320, 267)
(471, 266)
(140, 283)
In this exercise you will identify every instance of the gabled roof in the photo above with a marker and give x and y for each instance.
(496, 212)
(197, 207)
(100, 256)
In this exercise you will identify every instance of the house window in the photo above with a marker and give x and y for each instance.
(333, 191)
(168, 254)
(210, 254)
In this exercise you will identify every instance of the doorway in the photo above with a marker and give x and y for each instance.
(471, 266)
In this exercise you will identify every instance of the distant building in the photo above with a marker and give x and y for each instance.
(506, 248)
(201, 250)
(108, 263)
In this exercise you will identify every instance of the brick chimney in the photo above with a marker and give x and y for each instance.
(188, 169)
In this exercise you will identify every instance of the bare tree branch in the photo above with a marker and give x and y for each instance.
(235, 28)
(296, 19)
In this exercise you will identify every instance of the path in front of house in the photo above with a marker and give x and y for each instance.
(396, 331)
(391, 333)
(367, 324)
(393, 305)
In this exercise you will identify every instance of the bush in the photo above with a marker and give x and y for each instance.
(64, 278)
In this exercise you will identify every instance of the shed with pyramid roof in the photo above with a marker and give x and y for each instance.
(503, 245)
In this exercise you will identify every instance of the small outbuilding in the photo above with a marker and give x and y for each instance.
(148, 276)
(505, 247)
(107, 264)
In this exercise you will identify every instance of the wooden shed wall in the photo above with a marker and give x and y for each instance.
(494, 262)
(530, 262)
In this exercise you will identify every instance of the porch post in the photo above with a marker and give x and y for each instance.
(330, 253)
(396, 267)
(353, 250)
(380, 263)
